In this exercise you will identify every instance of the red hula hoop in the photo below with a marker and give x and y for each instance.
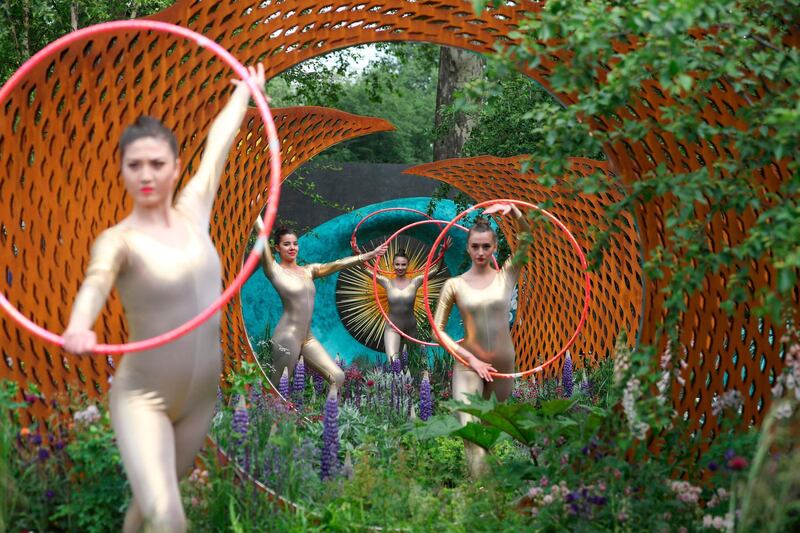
(357, 250)
(375, 279)
(575, 246)
(274, 185)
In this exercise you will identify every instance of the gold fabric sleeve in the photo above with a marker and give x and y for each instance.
(320, 270)
(384, 282)
(268, 262)
(196, 199)
(446, 300)
(107, 256)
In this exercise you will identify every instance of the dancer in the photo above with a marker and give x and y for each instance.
(295, 285)
(401, 292)
(483, 297)
(166, 270)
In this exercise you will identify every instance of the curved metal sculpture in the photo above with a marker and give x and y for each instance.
(58, 133)
(551, 284)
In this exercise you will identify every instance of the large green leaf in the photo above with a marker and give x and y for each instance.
(513, 419)
(556, 407)
(484, 436)
(436, 426)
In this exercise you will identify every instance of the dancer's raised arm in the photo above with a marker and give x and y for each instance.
(199, 193)
(522, 226)
(320, 270)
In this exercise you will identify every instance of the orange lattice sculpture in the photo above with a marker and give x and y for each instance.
(57, 151)
(551, 284)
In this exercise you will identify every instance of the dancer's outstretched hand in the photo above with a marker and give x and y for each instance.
(80, 342)
(379, 251)
(482, 368)
(258, 75)
(503, 208)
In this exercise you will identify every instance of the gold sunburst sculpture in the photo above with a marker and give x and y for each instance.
(355, 298)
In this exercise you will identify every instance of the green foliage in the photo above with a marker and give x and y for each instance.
(743, 50)
(9, 423)
(26, 26)
(399, 86)
(97, 495)
(59, 477)
(500, 104)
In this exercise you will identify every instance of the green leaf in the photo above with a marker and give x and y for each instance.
(509, 418)
(436, 426)
(556, 407)
(478, 6)
(484, 436)
(787, 279)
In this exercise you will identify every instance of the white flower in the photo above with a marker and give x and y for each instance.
(629, 397)
(731, 399)
(90, 415)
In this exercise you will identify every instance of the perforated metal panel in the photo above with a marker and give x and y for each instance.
(57, 145)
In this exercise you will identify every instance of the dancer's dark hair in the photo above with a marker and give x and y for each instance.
(481, 225)
(146, 126)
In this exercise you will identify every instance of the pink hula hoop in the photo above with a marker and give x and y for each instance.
(354, 235)
(274, 185)
(575, 246)
(375, 279)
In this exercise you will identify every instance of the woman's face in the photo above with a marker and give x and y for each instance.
(400, 265)
(150, 171)
(288, 247)
(481, 246)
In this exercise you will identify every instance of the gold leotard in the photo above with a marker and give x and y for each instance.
(292, 336)
(485, 315)
(162, 400)
(401, 312)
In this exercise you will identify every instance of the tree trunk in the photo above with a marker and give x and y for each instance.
(456, 67)
(73, 16)
(26, 29)
(8, 20)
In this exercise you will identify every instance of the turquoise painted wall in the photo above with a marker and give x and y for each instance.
(261, 306)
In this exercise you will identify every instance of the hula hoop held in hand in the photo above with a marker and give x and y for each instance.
(575, 246)
(274, 184)
(375, 272)
(357, 250)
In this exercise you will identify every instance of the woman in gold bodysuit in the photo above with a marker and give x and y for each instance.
(483, 297)
(166, 270)
(295, 285)
(401, 293)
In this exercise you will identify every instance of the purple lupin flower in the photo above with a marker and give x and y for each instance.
(330, 436)
(255, 396)
(397, 365)
(586, 385)
(283, 384)
(218, 404)
(404, 358)
(425, 398)
(299, 383)
(566, 376)
(240, 423)
(358, 395)
(319, 382)
(392, 394)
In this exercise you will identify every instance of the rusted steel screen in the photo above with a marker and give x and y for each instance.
(59, 187)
